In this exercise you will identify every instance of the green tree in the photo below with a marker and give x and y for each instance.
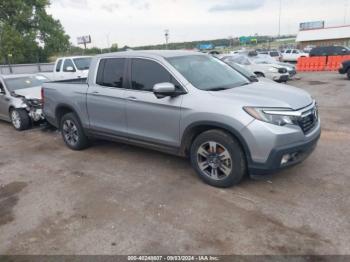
(114, 47)
(28, 32)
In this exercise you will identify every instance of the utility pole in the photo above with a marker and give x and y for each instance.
(166, 31)
(279, 19)
(346, 3)
(1, 30)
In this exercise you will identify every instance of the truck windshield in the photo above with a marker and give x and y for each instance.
(208, 73)
(17, 83)
(82, 63)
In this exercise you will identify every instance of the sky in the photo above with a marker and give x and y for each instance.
(142, 22)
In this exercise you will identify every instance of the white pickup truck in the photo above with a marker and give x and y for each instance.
(292, 55)
(69, 68)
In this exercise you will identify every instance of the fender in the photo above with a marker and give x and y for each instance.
(188, 136)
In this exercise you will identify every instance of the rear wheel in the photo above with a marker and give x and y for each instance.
(20, 119)
(73, 133)
(348, 73)
(218, 158)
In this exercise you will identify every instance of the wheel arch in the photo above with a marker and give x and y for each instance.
(61, 110)
(259, 73)
(195, 129)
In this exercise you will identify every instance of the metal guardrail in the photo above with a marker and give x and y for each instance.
(26, 68)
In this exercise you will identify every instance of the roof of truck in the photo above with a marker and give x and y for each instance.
(153, 53)
(73, 57)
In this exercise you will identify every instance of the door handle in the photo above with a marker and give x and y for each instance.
(131, 98)
(95, 92)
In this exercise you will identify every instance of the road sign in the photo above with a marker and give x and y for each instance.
(311, 25)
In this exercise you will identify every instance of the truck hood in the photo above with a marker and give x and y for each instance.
(30, 93)
(264, 94)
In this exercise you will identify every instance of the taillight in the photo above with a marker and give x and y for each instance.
(42, 95)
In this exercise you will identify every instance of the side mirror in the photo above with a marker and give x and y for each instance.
(254, 78)
(70, 69)
(162, 90)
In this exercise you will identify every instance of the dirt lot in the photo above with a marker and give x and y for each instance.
(118, 199)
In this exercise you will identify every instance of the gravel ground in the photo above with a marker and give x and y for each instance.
(119, 199)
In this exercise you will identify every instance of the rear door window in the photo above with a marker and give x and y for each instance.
(288, 51)
(111, 72)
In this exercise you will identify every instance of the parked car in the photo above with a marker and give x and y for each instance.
(276, 55)
(292, 55)
(266, 59)
(272, 71)
(246, 72)
(308, 48)
(189, 104)
(20, 100)
(70, 68)
(329, 51)
(345, 68)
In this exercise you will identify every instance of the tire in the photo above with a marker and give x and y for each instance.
(73, 133)
(20, 119)
(348, 73)
(224, 172)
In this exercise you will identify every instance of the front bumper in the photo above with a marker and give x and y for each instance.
(36, 114)
(268, 144)
(292, 73)
(281, 77)
(341, 71)
(300, 152)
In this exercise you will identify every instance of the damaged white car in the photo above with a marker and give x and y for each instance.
(20, 100)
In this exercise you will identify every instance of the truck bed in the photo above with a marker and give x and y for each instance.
(71, 81)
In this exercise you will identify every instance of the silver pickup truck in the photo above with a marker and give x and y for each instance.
(189, 104)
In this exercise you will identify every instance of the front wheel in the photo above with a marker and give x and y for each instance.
(20, 119)
(218, 158)
(72, 132)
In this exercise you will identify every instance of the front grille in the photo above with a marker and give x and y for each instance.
(309, 120)
(292, 72)
(282, 70)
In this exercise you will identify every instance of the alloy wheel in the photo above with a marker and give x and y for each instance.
(214, 160)
(16, 119)
(70, 132)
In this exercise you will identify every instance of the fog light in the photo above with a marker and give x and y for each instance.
(285, 159)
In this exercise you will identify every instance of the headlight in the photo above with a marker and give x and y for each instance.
(273, 69)
(268, 115)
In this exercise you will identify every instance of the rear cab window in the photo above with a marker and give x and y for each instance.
(58, 66)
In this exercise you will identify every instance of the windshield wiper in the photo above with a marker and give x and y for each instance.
(217, 89)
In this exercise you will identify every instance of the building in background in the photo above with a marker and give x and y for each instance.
(339, 35)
